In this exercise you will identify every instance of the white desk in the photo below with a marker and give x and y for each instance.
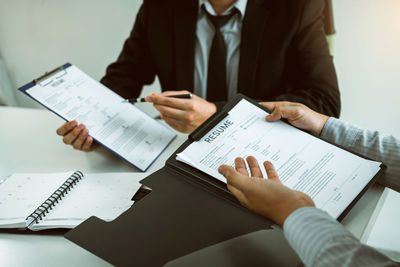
(28, 143)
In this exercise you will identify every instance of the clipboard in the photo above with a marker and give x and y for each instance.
(58, 75)
(186, 211)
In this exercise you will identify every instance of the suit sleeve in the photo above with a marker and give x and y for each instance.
(134, 66)
(313, 80)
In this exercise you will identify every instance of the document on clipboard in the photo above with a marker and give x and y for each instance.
(331, 176)
(121, 127)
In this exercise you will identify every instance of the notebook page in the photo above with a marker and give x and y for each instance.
(121, 127)
(332, 177)
(21, 194)
(104, 195)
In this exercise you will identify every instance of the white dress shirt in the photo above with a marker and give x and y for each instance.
(231, 32)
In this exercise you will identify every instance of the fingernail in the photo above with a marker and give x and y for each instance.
(73, 124)
(81, 127)
(149, 99)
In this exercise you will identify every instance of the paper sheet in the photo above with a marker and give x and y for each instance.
(382, 231)
(121, 127)
(331, 176)
(22, 193)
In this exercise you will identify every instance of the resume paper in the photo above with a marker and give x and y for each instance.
(121, 127)
(331, 176)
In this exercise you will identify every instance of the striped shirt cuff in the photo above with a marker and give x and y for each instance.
(308, 230)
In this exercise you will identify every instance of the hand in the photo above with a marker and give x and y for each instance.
(77, 136)
(298, 115)
(184, 115)
(267, 197)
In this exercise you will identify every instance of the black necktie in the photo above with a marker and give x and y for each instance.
(217, 89)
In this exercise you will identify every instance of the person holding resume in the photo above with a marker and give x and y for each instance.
(318, 239)
(214, 49)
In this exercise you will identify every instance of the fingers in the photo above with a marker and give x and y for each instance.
(166, 93)
(281, 110)
(171, 112)
(169, 93)
(269, 105)
(235, 182)
(177, 103)
(87, 146)
(232, 176)
(179, 125)
(81, 139)
(271, 173)
(254, 167)
(276, 115)
(78, 137)
(66, 128)
(240, 166)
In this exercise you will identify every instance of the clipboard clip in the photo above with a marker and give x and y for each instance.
(208, 125)
(47, 75)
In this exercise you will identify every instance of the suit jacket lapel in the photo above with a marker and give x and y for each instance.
(252, 32)
(185, 20)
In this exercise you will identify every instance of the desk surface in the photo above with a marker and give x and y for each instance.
(29, 143)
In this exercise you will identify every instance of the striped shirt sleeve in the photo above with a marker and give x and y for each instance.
(318, 239)
(370, 144)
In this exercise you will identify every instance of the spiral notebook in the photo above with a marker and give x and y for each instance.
(64, 200)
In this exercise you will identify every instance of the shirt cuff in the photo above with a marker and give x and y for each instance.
(308, 230)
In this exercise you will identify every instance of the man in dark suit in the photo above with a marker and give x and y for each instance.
(268, 50)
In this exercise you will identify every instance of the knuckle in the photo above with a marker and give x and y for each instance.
(191, 106)
(189, 117)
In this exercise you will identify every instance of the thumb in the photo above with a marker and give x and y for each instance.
(276, 114)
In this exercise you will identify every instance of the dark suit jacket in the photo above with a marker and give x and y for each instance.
(283, 55)
(328, 18)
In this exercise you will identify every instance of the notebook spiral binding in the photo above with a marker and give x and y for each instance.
(54, 198)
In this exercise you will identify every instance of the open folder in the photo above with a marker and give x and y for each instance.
(190, 208)
(121, 127)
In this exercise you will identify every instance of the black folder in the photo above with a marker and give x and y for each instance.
(187, 211)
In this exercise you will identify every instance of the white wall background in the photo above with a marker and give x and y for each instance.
(37, 35)
(368, 62)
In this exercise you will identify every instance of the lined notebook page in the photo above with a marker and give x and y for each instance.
(104, 195)
(21, 194)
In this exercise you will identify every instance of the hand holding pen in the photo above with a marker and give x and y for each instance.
(181, 110)
(138, 100)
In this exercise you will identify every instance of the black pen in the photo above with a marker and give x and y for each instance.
(136, 100)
